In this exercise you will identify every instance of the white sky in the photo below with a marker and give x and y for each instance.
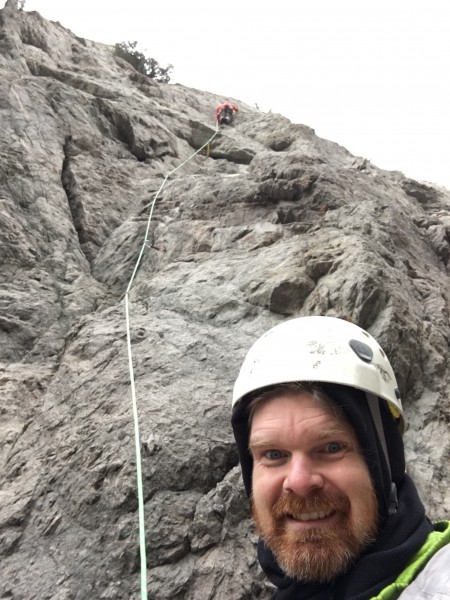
(371, 75)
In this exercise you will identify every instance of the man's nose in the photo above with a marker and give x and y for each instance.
(303, 476)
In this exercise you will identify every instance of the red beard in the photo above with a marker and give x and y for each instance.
(317, 554)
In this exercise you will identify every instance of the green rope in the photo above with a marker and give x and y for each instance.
(142, 543)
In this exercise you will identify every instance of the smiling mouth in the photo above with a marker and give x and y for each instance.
(314, 516)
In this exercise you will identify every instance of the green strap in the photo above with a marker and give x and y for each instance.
(436, 540)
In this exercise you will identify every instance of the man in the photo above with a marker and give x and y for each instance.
(318, 421)
(225, 112)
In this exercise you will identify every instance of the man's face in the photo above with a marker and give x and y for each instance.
(313, 500)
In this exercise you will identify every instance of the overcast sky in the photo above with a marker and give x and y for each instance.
(371, 75)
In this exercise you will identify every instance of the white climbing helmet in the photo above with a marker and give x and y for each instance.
(322, 349)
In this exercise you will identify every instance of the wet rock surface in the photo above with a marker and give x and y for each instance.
(272, 222)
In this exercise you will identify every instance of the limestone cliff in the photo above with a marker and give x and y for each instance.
(275, 222)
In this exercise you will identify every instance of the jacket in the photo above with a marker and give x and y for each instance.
(227, 105)
(427, 575)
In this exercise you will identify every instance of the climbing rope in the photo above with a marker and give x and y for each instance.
(142, 541)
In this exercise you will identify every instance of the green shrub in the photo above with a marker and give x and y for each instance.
(142, 64)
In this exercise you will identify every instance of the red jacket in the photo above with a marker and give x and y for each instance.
(223, 105)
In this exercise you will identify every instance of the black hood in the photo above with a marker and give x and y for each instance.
(401, 534)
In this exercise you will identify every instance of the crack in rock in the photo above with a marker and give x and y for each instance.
(76, 207)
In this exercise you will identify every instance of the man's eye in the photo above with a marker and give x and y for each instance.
(334, 447)
(273, 454)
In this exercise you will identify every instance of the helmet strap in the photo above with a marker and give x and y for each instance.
(374, 407)
(393, 500)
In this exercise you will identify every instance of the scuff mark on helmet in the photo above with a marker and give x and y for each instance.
(383, 373)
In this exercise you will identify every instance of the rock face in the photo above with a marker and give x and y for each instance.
(273, 222)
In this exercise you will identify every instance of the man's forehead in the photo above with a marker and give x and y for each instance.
(299, 409)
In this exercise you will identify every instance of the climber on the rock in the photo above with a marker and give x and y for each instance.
(318, 423)
(225, 112)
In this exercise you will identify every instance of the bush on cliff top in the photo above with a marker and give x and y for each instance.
(142, 64)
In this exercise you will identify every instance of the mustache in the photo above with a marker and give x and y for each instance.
(291, 504)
